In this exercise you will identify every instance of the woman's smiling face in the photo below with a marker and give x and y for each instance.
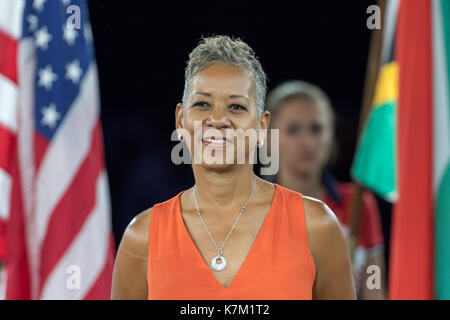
(221, 99)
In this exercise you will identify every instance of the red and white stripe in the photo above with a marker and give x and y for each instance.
(64, 218)
(10, 30)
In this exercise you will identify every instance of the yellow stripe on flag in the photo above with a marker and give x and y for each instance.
(387, 85)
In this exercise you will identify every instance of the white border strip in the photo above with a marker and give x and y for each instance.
(441, 117)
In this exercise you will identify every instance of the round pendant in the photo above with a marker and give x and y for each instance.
(218, 266)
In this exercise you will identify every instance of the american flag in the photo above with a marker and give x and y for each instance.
(55, 226)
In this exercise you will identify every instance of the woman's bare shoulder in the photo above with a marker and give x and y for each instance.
(135, 237)
(318, 213)
(330, 252)
(130, 267)
(324, 230)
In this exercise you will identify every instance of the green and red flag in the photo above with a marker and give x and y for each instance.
(404, 150)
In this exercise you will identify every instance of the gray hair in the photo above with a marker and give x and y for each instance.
(298, 89)
(224, 49)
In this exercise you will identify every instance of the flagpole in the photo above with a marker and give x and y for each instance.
(372, 68)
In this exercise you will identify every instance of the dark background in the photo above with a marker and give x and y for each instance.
(142, 48)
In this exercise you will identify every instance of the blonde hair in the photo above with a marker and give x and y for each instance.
(298, 89)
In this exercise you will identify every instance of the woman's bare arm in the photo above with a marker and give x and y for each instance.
(329, 248)
(130, 269)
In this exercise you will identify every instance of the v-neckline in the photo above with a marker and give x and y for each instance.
(205, 265)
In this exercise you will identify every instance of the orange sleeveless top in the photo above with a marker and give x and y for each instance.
(279, 265)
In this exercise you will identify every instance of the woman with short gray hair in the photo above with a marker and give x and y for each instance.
(232, 235)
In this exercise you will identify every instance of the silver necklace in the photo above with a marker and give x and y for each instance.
(219, 262)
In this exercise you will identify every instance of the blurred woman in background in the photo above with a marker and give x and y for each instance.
(303, 114)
